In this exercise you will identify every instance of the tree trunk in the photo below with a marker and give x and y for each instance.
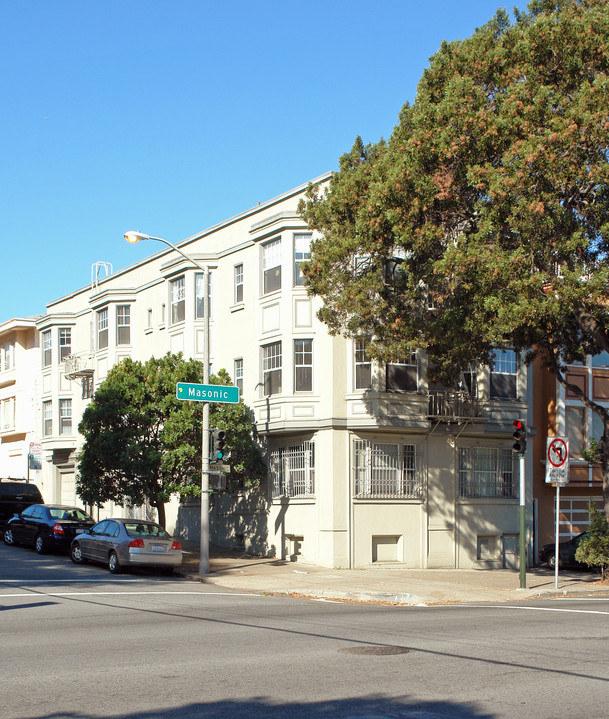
(160, 509)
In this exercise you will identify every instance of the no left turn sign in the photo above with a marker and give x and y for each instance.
(557, 464)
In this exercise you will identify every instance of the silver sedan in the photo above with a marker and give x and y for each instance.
(122, 543)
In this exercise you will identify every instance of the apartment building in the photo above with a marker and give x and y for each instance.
(367, 464)
(19, 399)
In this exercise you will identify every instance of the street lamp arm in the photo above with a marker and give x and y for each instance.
(132, 236)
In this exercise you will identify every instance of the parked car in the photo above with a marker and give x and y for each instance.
(15, 496)
(122, 543)
(47, 526)
(566, 553)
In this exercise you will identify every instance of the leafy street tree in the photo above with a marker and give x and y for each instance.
(484, 219)
(143, 444)
(593, 550)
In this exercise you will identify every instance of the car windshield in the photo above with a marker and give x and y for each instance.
(143, 529)
(72, 513)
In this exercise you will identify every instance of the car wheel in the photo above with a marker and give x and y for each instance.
(113, 563)
(8, 537)
(39, 544)
(76, 554)
(552, 561)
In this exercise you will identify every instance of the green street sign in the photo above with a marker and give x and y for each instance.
(207, 392)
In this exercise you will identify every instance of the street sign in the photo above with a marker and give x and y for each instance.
(557, 461)
(207, 392)
(222, 468)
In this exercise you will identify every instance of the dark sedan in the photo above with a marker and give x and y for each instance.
(120, 543)
(47, 526)
(566, 553)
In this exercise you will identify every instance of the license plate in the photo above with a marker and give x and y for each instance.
(157, 548)
(80, 531)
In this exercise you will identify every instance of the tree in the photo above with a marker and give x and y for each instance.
(593, 550)
(484, 220)
(143, 444)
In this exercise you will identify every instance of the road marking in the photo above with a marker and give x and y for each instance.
(541, 609)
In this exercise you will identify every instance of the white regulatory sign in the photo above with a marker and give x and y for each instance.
(557, 460)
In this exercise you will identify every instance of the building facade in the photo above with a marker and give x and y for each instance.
(19, 399)
(559, 412)
(367, 464)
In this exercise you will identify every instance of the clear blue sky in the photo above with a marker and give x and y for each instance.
(170, 116)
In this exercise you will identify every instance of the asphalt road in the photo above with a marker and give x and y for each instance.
(78, 642)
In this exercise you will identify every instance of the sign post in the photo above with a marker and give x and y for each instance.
(206, 393)
(557, 473)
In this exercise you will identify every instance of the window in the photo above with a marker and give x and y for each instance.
(163, 307)
(87, 386)
(575, 430)
(271, 368)
(470, 379)
(385, 470)
(402, 375)
(239, 375)
(271, 266)
(199, 296)
(149, 318)
(65, 343)
(102, 329)
(8, 356)
(238, 284)
(8, 413)
(46, 349)
(302, 253)
(47, 419)
(292, 471)
(600, 360)
(363, 366)
(123, 324)
(486, 472)
(178, 300)
(503, 374)
(65, 416)
(303, 365)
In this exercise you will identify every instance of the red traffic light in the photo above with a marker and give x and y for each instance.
(518, 425)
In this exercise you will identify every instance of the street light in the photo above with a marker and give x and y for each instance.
(134, 237)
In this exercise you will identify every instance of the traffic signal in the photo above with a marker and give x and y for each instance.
(218, 450)
(520, 436)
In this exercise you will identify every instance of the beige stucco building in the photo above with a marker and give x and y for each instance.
(19, 399)
(367, 464)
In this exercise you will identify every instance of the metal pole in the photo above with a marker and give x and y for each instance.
(556, 538)
(523, 539)
(204, 556)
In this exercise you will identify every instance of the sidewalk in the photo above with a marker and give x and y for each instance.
(243, 572)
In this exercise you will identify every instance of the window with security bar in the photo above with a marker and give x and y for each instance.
(387, 471)
(292, 471)
(487, 472)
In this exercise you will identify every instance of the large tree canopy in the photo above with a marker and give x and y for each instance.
(484, 219)
(143, 444)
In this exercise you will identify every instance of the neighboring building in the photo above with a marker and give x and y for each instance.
(561, 413)
(367, 463)
(19, 399)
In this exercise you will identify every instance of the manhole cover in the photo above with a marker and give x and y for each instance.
(384, 651)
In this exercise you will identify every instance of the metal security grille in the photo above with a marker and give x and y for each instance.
(385, 470)
(487, 472)
(293, 471)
